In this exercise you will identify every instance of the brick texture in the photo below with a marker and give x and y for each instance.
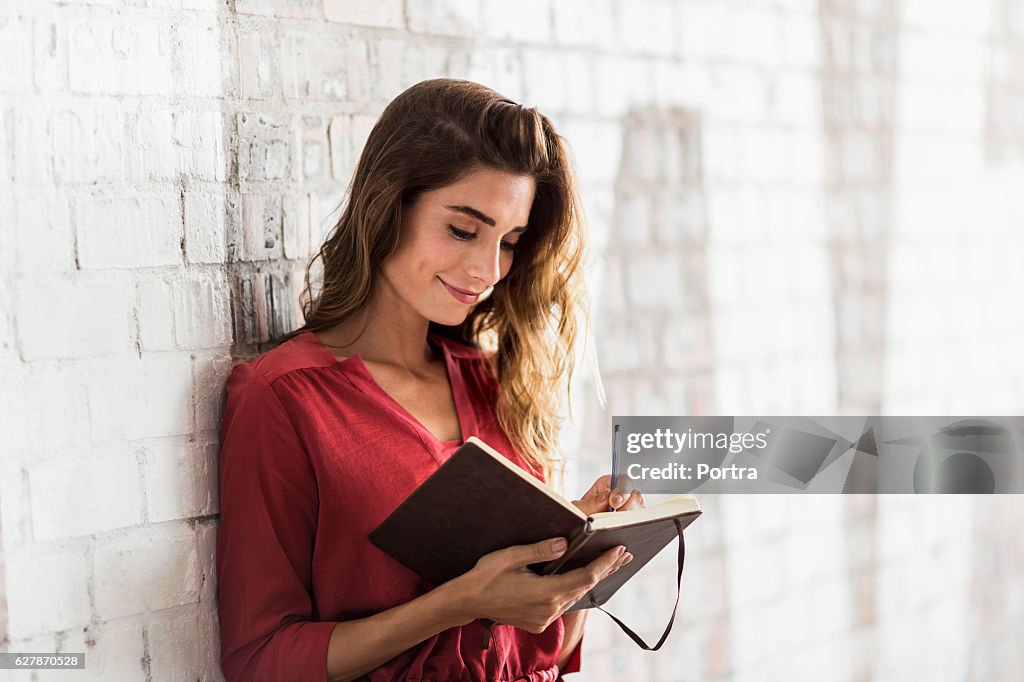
(794, 207)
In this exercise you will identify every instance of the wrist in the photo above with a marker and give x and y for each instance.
(458, 603)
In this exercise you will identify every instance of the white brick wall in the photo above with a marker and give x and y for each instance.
(786, 198)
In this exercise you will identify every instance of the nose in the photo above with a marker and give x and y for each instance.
(484, 263)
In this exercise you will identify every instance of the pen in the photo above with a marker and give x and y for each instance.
(615, 464)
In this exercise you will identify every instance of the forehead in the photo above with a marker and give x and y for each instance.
(505, 197)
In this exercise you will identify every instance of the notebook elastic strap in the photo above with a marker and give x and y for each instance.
(671, 619)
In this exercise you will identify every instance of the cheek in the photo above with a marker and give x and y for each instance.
(507, 257)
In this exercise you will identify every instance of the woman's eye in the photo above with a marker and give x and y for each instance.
(509, 246)
(460, 234)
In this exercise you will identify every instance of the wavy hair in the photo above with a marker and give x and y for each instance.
(429, 137)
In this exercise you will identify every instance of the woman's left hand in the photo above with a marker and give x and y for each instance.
(597, 498)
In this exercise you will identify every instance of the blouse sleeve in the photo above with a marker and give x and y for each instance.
(265, 537)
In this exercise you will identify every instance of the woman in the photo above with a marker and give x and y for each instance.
(461, 229)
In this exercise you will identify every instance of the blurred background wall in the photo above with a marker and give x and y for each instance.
(794, 207)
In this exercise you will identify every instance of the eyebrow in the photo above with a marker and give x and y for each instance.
(482, 217)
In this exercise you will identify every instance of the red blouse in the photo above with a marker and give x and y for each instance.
(314, 454)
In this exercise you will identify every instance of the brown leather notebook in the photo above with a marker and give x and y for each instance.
(478, 502)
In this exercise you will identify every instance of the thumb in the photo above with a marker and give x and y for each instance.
(545, 550)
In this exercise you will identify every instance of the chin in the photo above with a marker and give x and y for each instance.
(450, 318)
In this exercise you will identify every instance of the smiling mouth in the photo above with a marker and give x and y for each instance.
(461, 295)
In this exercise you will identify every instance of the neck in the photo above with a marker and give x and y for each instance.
(385, 333)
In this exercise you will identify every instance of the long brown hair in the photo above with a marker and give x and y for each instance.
(427, 138)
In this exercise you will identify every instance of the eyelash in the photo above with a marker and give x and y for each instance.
(464, 236)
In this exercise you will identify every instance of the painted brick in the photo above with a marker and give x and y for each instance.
(210, 370)
(310, 147)
(499, 67)
(633, 223)
(297, 240)
(325, 211)
(386, 13)
(206, 224)
(267, 307)
(164, 144)
(15, 510)
(655, 282)
(50, 55)
(119, 59)
(202, 311)
(528, 21)
(261, 227)
(548, 94)
(347, 135)
(199, 145)
(129, 232)
(584, 22)
(148, 397)
(16, 54)
(325, 68)
(595, 160)
(796, 99)
(151, 154)
(31, 147)
(114, 650)
(259, 74)
(41, 234)
(124, 581)
(38, 643)
(201, 49)
(443, 17)
(181, 481)
(206, 538)
(295, 9)
(422, 61)
(31, 395)
(264, 151)
(6, 148)
(648, 27)
(801, 41)
(92, 309)
(177, 644)
(46, 590)
(155, 315)
(88, 145)
(70, 493)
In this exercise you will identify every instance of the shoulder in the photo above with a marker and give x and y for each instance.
(253, 392)
(301, 352)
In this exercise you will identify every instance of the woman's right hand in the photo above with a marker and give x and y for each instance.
(501, 587)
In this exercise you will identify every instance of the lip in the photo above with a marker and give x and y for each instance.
(461, 295)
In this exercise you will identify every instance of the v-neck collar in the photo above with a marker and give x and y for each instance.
(356, 371)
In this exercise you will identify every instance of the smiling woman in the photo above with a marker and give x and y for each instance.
(450, 252)
(448, 309)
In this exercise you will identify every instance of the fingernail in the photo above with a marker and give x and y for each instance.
(626, 559)
(559, 545)
(622, 549)
(617, 499)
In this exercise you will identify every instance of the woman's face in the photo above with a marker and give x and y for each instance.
(456, 242)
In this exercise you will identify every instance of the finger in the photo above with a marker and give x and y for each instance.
(601, 485)
(593, 504)
(634, 501)
(545, 550)
(587, 576)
